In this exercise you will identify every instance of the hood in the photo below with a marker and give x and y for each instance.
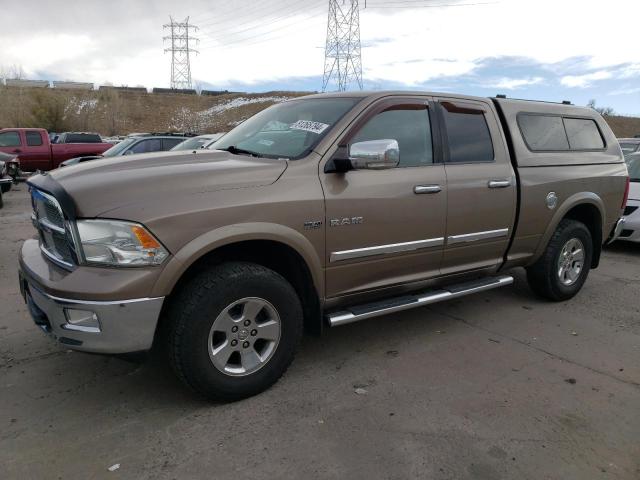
(99, 186)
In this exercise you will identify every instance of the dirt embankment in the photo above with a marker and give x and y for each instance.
(118, 112)
(113, 112)
(624, 127)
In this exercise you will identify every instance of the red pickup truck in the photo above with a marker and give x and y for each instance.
(36, 152)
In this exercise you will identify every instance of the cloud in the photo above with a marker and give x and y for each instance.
(507, 83)
(586, 80)
(280, 42)
(625, 91)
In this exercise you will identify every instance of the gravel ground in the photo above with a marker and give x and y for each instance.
(495, 386)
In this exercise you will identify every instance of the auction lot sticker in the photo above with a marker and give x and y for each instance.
(309, 126)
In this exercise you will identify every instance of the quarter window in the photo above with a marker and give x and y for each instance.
(9, 139)
(583, 134)
(169, 143)
(555, 133)
(543, 132)
(33, 139)
(407, 124)
(468, 134)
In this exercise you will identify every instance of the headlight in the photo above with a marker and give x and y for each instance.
(119, 243)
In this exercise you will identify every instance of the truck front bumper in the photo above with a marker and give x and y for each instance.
(110, 327)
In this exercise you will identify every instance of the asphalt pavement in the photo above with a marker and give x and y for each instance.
(500, 385)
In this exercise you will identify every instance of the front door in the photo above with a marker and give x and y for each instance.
(37, 155)
(481, 186)
(386, 227)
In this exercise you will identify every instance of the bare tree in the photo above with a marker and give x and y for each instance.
(13, 99)
(113, 108)
(604, 111)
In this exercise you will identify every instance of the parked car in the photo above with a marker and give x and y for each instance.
(141, 143)
(36, 152)
(629, 145)
(79, 137)
(318, 212)
(5, 178)
(631, 230)
(201, 141)
(11, 164)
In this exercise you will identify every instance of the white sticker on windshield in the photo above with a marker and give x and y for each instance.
(266, 142)
(309, 126)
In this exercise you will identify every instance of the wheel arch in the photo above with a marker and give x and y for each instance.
(585, 207)
(277, 247)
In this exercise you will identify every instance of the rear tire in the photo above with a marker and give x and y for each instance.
(233, 330)
(564, 266)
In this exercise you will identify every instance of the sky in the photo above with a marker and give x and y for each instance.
(553, 50)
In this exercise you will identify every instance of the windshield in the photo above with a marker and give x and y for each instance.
(117, 149)
(287, 130)
(628, 148)
(633, 164)
(192, 144)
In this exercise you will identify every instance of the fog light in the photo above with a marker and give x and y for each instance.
(81, 320)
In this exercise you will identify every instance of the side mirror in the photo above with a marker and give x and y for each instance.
(374, 154)
(128, 152)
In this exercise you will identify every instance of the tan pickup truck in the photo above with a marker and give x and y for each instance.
(314, 213)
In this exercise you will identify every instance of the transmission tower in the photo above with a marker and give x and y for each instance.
(342, 59)
(181, 41)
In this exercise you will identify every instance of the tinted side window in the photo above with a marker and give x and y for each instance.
(150, 145)
(468, 134)
(82, 138)
(583, 134)
(407, 124)
(9, 139)
(543, 132)
(34, 139)
(169, 143)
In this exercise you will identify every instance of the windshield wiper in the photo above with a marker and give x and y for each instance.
(239, 151)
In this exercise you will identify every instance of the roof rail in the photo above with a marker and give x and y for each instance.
(503, 96)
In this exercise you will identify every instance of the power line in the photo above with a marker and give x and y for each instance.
(180, 52)
(263, 39)
(342, 54)
(408, 4)
(262, 11)
(292, 15)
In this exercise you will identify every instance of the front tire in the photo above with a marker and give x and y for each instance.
(233, 330)
(563, 268)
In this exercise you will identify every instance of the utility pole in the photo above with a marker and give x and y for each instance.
(342, 58)
(181, 41)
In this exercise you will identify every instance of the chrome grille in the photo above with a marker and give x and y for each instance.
(48, 220)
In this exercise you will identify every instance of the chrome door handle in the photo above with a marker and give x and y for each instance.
(499, 183)
(418, 189)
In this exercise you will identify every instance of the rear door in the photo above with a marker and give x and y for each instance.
(386, 227)
(481, 186)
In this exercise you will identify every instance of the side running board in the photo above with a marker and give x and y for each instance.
(398, 304)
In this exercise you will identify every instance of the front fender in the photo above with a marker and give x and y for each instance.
(571, 202)
(230, 234)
